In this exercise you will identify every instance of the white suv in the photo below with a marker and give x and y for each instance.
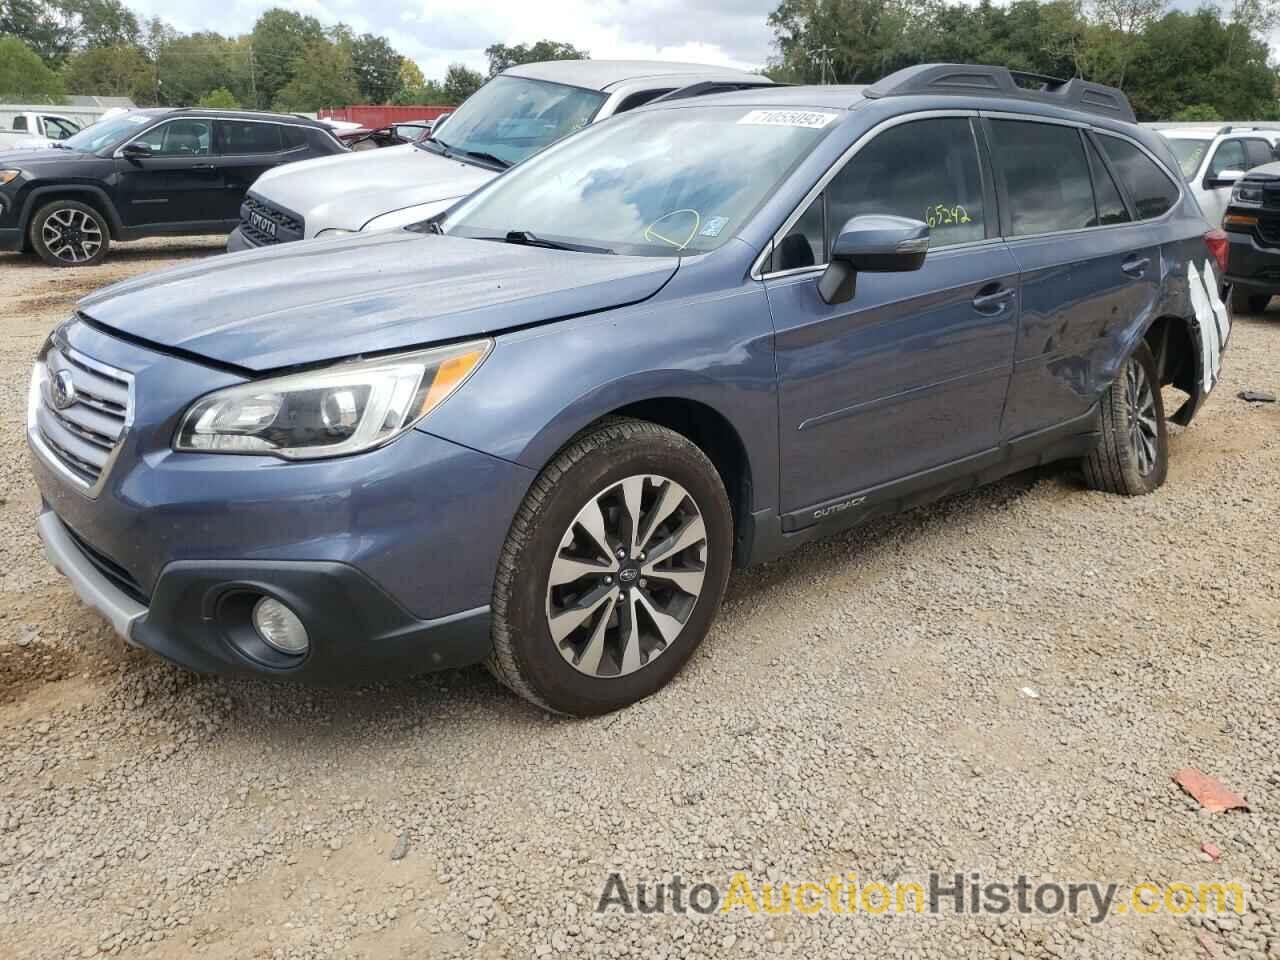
(513, 116)
(1214, 158)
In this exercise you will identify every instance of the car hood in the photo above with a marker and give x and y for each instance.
(308, 302)
(348, 190)
(15, 155)
(1265, 171)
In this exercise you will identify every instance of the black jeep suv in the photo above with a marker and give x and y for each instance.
(144, 173)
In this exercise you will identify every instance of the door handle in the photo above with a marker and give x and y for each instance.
(1136, 266)
(993, 301)
(202, 166)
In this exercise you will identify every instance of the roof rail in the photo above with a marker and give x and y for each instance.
(969, 79)
(704, 87)
(1238, 127)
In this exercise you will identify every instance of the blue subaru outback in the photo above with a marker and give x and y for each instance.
(537, 431)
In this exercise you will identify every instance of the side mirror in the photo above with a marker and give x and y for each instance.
(874, 243)
(135, 151)
(1224, 178)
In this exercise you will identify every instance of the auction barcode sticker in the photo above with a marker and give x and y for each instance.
(789, 118)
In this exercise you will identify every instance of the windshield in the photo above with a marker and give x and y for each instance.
(1189, 153)
(512, 118)
(656, 183)
(107, 133)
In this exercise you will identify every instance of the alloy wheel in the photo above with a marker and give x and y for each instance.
(71, 235)
(626, 576)
(1141, 403)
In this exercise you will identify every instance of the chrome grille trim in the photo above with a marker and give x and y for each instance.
(81, 442)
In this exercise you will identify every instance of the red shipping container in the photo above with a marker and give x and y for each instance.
(375, 117)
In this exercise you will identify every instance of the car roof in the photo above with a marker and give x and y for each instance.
(1188, 133)
(844, 97)
(290, 118)
(603, 74)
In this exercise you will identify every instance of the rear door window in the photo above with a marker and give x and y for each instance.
(1257, 152)
(247, 137)
(294, 137)
(1152, 191)
(1046, 176)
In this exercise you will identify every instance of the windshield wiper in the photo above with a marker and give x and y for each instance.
(452, 151)
(525, 238)
(484, 157)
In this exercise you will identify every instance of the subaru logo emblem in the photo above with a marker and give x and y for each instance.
(63, 390)
(628, 574)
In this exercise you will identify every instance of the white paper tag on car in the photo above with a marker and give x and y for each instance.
(789, 118)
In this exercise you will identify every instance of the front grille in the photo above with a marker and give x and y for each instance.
(117, 574)
(78, 413)
(1269, 229)
(287, 226)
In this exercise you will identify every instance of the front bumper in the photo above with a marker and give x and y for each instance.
(1252, 267)
(197, 617)
(389, 555)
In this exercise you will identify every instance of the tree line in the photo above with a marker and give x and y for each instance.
(289, 61)
(1208, 64)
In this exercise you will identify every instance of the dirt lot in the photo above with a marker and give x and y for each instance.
(1001, 683)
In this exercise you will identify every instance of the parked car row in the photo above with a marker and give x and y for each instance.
(538, 428)
(1234, 174)
(145, 173)
(512, 117)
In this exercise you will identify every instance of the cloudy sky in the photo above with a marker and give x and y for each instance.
(441, 32)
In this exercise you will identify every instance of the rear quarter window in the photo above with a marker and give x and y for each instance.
(1152, 190)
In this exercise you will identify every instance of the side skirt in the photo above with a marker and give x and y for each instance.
(771, 536)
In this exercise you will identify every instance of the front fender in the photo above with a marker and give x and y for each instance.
(543, 385)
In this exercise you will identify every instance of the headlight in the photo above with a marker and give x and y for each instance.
(333, 232)
(8, 176)
(343, 409)
(1247, 194)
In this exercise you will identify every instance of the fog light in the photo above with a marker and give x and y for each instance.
(279, 627)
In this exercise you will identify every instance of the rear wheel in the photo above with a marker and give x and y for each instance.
(613, 570)
(1132, 458)
(67, 233)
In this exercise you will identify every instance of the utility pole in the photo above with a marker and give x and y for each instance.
(823, 56)
(253, 77)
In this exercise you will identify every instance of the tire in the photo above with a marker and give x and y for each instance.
(1249, 302)
(63, 234)
(637, 634)
(1132, 458)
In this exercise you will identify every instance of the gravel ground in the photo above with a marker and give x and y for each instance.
(859, 707)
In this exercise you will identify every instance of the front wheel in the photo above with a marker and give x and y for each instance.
(1132, 458)
(613, 571)
(67, 233)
